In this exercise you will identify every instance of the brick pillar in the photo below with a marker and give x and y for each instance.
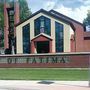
(16, 15)
(72, 45)
(79, 39)
(6, 45)
(32, 47)
(50, 46)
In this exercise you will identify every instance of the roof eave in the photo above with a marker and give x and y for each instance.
(65, 16)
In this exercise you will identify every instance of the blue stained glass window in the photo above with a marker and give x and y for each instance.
(42, 25)
(59, 37)
(26, 38)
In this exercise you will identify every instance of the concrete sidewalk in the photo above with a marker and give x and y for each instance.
(43, 85)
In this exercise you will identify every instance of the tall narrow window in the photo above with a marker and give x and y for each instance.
(37, 26)
(26, 38)
(59, 37)
(42, 25)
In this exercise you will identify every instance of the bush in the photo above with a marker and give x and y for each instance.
(7, 51)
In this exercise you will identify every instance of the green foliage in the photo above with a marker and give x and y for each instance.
(1, 16)
(24, 10)
(24, 13)
(1, 25)
(87, 19)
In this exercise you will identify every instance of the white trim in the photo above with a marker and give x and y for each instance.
(43, 35)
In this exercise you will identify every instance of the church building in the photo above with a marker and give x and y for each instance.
(51, 32)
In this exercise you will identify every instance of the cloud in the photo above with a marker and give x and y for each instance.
(78, 13)
(35, 5)
(49, 5)
(87, 2)
(76, 9)
(69, 3)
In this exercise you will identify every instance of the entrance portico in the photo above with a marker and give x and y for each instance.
(42, 43)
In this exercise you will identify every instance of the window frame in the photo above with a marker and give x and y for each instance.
(44, 30)
(26, 38)
(59, 28)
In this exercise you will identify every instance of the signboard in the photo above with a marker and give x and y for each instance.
(45, 60)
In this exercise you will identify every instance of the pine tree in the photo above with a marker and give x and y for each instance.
(87, 19)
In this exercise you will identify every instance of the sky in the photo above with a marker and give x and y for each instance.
(75, 9)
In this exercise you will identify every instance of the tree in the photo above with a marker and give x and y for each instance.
(1, 15)
(24, 10)
(1, 24)
(86, 21)
(24, 13)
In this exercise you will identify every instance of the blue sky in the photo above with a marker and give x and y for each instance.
(76, 9)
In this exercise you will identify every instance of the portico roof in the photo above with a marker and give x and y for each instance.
(39, 36)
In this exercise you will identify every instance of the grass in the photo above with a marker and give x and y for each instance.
(43, 74)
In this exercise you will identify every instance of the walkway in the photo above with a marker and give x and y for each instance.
(43, 85)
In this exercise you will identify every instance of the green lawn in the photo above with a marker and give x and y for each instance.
(43, 74)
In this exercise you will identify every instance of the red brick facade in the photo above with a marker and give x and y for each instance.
(76, 61)
(80, 44)
(81, 39)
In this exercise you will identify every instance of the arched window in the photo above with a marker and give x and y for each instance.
(42, 25)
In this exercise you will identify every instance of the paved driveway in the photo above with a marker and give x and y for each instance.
(43, 85)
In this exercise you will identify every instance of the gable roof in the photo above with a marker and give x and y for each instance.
(63, 16)
(42, 34)
(55, 15)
